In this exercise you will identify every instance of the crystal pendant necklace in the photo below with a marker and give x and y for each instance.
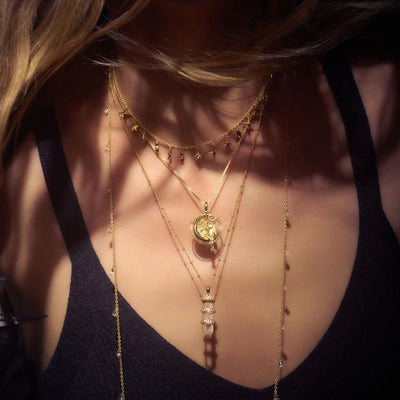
(207, 299)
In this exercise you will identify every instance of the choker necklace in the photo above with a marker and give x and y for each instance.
(208, 299)
(206, 228)
(197, 150)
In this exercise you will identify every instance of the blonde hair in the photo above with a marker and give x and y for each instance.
(39, 37)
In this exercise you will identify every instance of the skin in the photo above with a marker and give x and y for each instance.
(322, 202)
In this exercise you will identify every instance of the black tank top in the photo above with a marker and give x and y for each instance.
(357, 357)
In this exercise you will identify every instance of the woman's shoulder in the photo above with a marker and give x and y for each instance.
(378, 82)
(19, 193)
(28, 229)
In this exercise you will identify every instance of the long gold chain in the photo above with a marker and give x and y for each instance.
(284, 264)
(114, 269)
(208, 299)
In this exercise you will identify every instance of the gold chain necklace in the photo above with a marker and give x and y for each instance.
(114, 268)
(198, 150)
(284, 264)
(206, 228)
(208, 299)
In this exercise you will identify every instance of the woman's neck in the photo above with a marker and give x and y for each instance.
(164, 103)
(179, 26)
(181, 114)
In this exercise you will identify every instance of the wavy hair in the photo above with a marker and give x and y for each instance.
(39, 37)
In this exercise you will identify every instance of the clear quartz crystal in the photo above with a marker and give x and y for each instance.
(208, 312)
(208, 319)
(208, 329)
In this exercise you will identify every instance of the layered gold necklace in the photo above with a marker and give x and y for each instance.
(201, 234)
(199, 150)
(206, 228)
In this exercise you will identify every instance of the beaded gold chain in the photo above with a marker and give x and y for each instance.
(284, 265)
(208, 299)
(114, 268)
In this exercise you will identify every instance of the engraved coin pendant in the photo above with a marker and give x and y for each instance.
(207, 229)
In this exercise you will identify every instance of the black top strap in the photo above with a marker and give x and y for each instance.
(60, 187)
(340, 77)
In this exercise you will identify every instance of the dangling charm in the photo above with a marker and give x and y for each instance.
(169, 154)
(208, 312)
(198, 155)
(207, 229)
(227, 143)
(238, 134)
(124, 114)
